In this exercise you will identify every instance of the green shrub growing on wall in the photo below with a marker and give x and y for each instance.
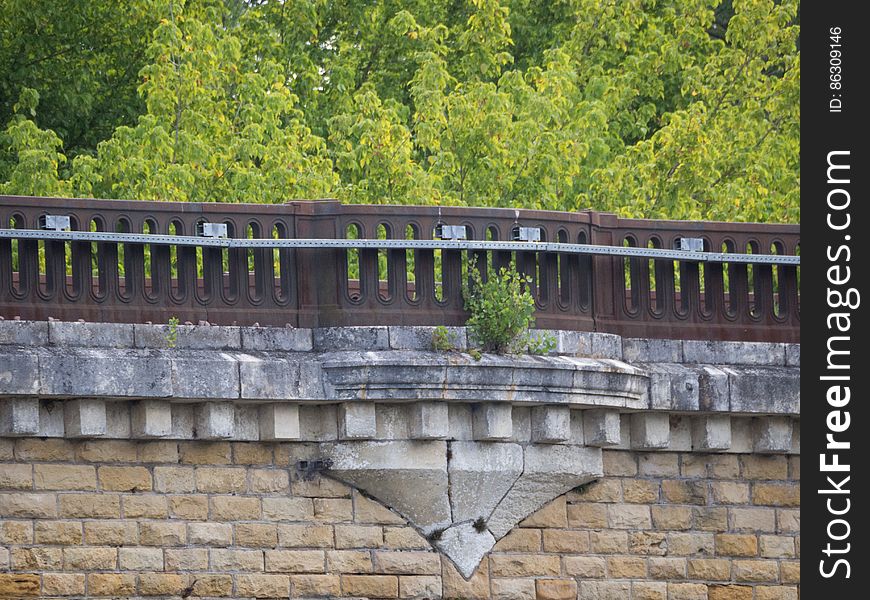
(502, 311)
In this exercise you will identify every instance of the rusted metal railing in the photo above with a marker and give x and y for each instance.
(639, 294)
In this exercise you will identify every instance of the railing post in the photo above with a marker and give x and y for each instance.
(607, 275)
(317, 269)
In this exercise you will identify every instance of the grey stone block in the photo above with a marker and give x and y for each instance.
(51, 418)
(204, 375)
(279, 421)
(357, 420)
(429, 420)
(84, 418)
(409, 477)
(268, 377)
(183, 421)
(151, 419)
(460, 421)
(601, 427)
(772, 434)
(332, 339)
(714, 392)
(90, 335)
(420, 338)
(766, 390)
(673, 387)
(741, 436)
(711, 432)
(118, 420)
(100, 373)
(549, 471)
(188, 337)
(318, 423)
(650, 431)
(19, 372)
(392, 421)
(577, 343)
(606, 345)
(481, 473)
(793, 355)
(285, 339)
(24, 333)
(247, 423)
(491, 421)
(645, 350)
(551, 424)
(19, 416)
(465, 546)
(681, 434)
(521, 418)
(733, 353)
(215, 420)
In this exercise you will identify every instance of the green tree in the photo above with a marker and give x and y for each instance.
(648, 108)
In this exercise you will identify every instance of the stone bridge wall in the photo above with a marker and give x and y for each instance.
(358, 463)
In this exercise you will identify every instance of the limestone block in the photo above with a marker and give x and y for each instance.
(19, 416)
(601, 427)
(247, 422)
(84, 418)
(420, 338)
(357, 420)
(551, 424)
(711, 432)
(765, 390)
(23, 333)
(772, 434)
(646, 350)
(713, 389)
(491, 421)
(330, 339)
(733, 353)
(650, 430)
(112, 335)
(205, 375)
(408, 476)
(103, 372)
(183, 421)
(285, 339)
(672, 387)
(549, 471)
(279, 421)
(481, 473)
(318, 423)
(269, 377)
(19, 371)
(393, 421)
(465, 546)
(188, 337)
(51, 418)
(215, 420)
(118, 420)
(429, 420)
(151, 418)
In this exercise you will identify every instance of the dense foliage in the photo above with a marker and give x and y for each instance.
(653, 108)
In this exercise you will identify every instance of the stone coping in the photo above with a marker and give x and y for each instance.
(389, 364)
(287, 339)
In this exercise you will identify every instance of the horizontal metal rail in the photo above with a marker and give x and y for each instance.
(562, 248)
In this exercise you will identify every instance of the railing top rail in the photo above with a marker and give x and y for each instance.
(331, 206)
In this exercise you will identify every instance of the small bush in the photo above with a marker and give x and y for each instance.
(442, 340)
(502, 311)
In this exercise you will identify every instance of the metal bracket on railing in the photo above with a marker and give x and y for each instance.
(451, 232)
(687, 244)
(212, 230)
(526, 234)
(54, 222)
